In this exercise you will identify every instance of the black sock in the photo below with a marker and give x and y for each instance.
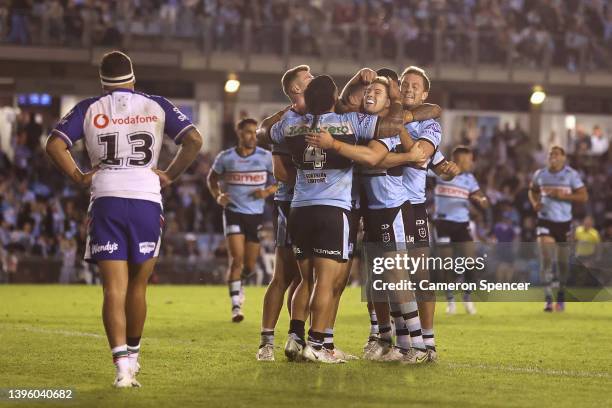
(297, 327)
(560, 296)
(316, 339)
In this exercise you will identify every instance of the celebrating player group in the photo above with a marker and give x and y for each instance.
(337, 160)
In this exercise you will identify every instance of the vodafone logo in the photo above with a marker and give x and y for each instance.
(100, 121)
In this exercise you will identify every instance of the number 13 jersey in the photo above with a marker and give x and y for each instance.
(123, 132)
(323, 176)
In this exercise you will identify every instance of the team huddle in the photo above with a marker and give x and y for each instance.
(342, 160)
(338, 161)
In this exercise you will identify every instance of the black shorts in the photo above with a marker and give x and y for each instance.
(247, 224)
(451, 231)
(388, 226)
(281, 224)
(354, 218)
(417, 229)
(320, 230)
(560, 231)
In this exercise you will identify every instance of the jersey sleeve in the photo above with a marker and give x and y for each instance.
(431, 131)
(176, 122)
(437, 158)
(473, 184)
(276, 133)
(219, 165)
(70, 128)
(576, 181)
(280, 149)
(363, 125)
(390, 142)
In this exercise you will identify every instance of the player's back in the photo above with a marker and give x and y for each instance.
(323, 176)
(123, 133)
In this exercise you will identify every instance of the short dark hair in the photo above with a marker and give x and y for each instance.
(387, 72)
(420, 72)
(290, 76)
(459, 150)
(246, 121)
(116, 64)
(320, 95)
(559, 148)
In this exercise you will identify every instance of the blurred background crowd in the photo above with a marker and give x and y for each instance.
(42, 214)
(532, 32)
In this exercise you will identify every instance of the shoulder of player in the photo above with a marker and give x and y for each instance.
(262, 151)
(572, 171)
(85, 104)
(225, 153)
(430, 125)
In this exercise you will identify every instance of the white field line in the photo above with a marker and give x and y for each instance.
(520, 370)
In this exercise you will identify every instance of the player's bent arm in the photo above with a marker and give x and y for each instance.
(422, 112)
(351, 97)
(480, 199)
(212, 182)
(190, 147)
(57, 150)
(283, 169)
(396, 159)
(579, 195)
(369, 155)
(446, 170)
(263, 131)
(534, 196)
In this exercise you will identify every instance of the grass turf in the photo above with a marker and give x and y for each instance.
(508, 355)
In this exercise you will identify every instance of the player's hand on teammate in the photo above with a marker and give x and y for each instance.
(416, 154)
(367, 76)
(164, 179)
(223, 199)
(557, 195)
(322, 139)
(394, 90)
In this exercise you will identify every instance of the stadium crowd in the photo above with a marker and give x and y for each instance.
(42, 214)
(535, 31)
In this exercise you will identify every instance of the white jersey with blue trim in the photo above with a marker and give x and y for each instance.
(384, 187)
(323, 176)
(566, 181)
(123, 132)
(242, 175)
(452, 198)
(414, 176)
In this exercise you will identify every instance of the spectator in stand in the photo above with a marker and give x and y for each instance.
(599, 141)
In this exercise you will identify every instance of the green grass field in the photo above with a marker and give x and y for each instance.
(509, 355)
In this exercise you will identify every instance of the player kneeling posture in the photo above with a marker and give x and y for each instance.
(246, 175)
(123, 131)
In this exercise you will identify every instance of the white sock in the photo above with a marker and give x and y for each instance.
(402, 334)
(234, 289)
(429, 339)
(373, 324)
(133, 353)
(410, 313)
(328, 342)
(120, 358)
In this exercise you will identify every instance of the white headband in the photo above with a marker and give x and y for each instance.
(111, 81)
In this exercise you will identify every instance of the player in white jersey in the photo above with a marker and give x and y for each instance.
(123, 131)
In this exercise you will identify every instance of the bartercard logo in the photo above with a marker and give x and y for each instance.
(147, 247)
(108, 247)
